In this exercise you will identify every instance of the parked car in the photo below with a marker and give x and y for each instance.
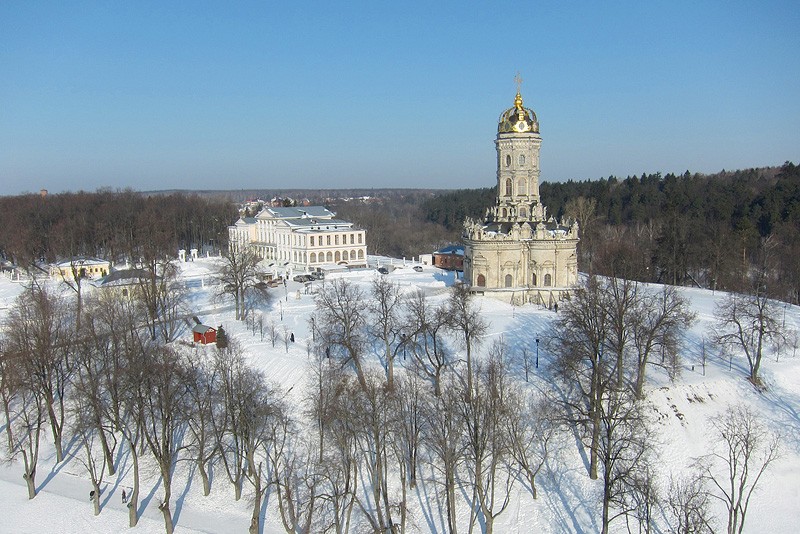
(303, 278)
(319, 275)
(418, 268)
(383, 270)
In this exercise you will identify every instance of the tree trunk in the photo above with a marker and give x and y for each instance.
(51, 414)
(237, 489)
(96, 498)
(255, 519)
(133, 503)
(164, 506)
(201, 466)
(30, 480)
(107, 451)
(451, 502)
(638, 388)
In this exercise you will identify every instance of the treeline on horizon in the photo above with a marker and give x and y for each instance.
(690, 229)
(114, 225)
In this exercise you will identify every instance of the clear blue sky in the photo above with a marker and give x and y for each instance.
(232, 95)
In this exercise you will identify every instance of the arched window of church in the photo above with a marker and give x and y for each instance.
(361, 254)
(337, 257)
(523, 212)
(330, 257)
(345, 255)
(533, 280)
(508, 161)
(548, 280)
(509, 280)
(480, 281)
(522, 160)
(521, 189)
(505, 213)
(313, 257)
(509, 186)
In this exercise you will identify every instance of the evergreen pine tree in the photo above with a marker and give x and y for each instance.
(222, 338)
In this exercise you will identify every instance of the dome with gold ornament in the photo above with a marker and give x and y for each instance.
(518, 119)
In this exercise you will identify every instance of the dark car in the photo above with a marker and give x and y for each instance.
(303, 278)
(383, 270)
(418, 268)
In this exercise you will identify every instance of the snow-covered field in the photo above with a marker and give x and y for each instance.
(568, 500)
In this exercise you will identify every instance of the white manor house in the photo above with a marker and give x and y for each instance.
(304, 239)
(518, 253)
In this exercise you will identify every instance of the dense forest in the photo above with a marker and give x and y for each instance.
(116, 225)
(689, 229)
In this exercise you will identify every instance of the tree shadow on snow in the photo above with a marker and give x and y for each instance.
(69, 454)
(182, 497)
(425, 498)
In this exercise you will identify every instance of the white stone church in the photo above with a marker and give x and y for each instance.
(518, 253)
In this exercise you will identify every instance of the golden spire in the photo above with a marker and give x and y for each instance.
(518, 98)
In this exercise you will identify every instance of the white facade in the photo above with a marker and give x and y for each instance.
(301, 239)
(517, 253)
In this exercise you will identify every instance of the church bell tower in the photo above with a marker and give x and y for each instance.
(518, 142)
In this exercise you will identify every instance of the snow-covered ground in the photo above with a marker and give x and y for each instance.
(568, 500)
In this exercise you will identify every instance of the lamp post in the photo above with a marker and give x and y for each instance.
(313, 330)
(537, 352)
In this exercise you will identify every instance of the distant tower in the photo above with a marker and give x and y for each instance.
(43, 193)
(518, 253)
(518, 142)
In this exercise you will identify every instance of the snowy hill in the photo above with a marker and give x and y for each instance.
(568, 501)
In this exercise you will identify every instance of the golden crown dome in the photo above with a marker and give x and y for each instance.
(518, 119)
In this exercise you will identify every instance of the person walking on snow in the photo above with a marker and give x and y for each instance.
(124, 497)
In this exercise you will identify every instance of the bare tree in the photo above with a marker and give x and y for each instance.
(427, 324)
(578, 340)
(408, 406)
(205, 413)
(750, 323)
(162, 296)
(743, 450)
(532, 425)
(623, 452)
(259, 425)
(9, 387)
(237, 384)
(341, 324)
(163, 394)
(296, 478)
(443, 442)
(238, 277)
(465, 319)
(272, 332)
(688, 506)
(487, 445)
(28, 416)
(87, 432)
(658, 321)
(385, 307)
(371, 420)
(620, 299)
(525, 361)
(39, 331)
